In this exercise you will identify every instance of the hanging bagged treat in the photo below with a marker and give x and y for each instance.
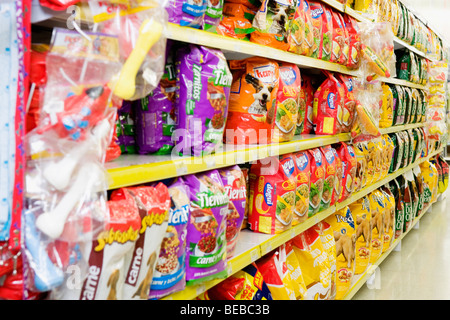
(343, 228)
(362, 216)
(317, 163)
(288, 99)
(203, 82)
(272, 194)
(253, 100)
(170, 270)
(302, 188)
(272, 23)
(235, 185)
(206, 245)
(329, 178)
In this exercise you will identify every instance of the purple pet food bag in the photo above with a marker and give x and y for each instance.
(170, 271)
(203, 81)
(187, 13)
(155, 116)
(125, 128)
(206, 245)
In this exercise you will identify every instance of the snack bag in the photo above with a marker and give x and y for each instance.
(203, 82)
(317, 163)
(387, 107)
(314, 264)
(328, 104)
(316, 10)
(170, 270)
(303, 171)
(378, 211)
(275, 273)
(362, 216)
(306, 105)
(343, 227)
(347, 155)
(246, 284)
(288, 100)
(272, 23)
(329, 178)
(125, 128)
(272, 194)
(253, 100)
(236, 188)
(206, 245)
(329, 245)
(365, 126)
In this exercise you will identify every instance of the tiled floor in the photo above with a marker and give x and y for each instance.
(421, 269)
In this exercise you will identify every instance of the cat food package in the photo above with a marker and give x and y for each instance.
(362, 216)
(153, 204)
(348, 157)
(314, 263)
(378, 210)
(170, 270)
(343, 228)
(206, 244)
(203, 81)
(234, 182)
(187, 13)
(389, 218)
(330, 177)
(306, 104)
(253, 101)
(272, 184)
(328, 103)
(272, 23)
(246, 284)
(303, 172)
(317, 165)
(288, 99)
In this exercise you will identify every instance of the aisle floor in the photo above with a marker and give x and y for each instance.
(420, 270)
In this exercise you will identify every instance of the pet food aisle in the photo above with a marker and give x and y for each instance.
(215, 150)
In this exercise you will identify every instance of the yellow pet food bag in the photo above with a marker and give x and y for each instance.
(378, 209)
(389, 218)
(327, 237)
(360, 211)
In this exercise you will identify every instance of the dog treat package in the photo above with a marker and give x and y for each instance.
(314, 263)
(316, 11)
(406, 148)
(154, 115)
(234, 182)
(125, 128)
(288, 100)
(346, 115)
(329, 244)
(246, 284)
(354, 44)
(153, 205)
(303, 172)
(206, 245)
(401, 106)
(378, 210)
(362, 216)
(399, 208)
(170, 270)
(276, 274)
(347, 155)
(343, 228)
(328, 103)
(389, 217)
(186, 13)
(317, 165)
(272, 184)
(203, 81)
(253, 101)
(272, 22)
(306, 104)
(338, 187)
(408, 104)
(329, 178)
(361, 168)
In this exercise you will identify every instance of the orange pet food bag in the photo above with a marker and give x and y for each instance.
(252, 103)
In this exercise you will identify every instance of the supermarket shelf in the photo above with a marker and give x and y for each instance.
(403, 127)
(362, 279)
(253, 245)
(401, 83)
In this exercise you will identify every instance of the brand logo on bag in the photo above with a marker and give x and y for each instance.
(302, 162)
(208, 200)
(179, 216)
(288, 166)
(197, 82)
(268, 191)
(288, 75)
(236, 194)
(330, 99)
(316, 13)
(222, 78)
(108, 237)
(265, 73)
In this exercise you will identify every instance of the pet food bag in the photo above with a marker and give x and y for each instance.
(253, 101)
(343, 228)
(347, 155)
(206, 245)
(389, 218)
(237, 21)
(329, 178)
(387, 107)
(125, 128)
(317, 11)
(203, 82)
(407, 202)
(430, 177)
(306, 106)
(234, 182)
(272, 23)
(187, 13)
(213, 15)
(346, 115)
(246, 284)
(288, 99)
(295, 272)
(317, 165)
(362, 216)
(314, 263)
(303, 172)
(378, 210)
(339, 175)
(272, 194)
(361, 169)
(300, 36)
(329, 244)
(399, 208)
(170, 270)
(354, 45)
(328, 103)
